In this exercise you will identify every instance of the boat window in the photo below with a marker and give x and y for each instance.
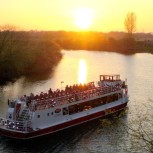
(73, 109)
(90, 104)
(120, 95)
(115, 97)
(87, 107)
(65, 111)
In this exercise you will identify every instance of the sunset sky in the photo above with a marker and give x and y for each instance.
(75, 15)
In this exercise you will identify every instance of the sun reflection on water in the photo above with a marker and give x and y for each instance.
(82, 72)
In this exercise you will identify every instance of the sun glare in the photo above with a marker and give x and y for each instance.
(83, 17)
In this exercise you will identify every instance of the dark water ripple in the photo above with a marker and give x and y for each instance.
(74, 140)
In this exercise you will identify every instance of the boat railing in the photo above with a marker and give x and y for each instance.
(15, 125)
(21, 123)
(74, 97)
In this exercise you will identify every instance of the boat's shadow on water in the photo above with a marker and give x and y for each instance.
(53, 142)
(49, 143)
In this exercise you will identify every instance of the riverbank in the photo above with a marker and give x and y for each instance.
(22, 55)
(112, 42)
(35, 52)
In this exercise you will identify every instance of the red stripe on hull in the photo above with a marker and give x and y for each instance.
(19, 135)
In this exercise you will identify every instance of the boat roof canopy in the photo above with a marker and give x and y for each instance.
(112, 77)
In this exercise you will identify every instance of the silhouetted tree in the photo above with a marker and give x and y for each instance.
(130, 26)
(130, 23)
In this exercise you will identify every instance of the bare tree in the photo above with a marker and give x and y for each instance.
(130, 23)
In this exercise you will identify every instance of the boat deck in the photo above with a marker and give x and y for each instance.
(73, 97)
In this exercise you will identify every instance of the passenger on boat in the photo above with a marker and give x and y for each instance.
(62, 92)
(28, 101)
(31, 96)
(22, 98)
(66, 88)
(50, 92)
(45, 96)
(36, 97)
(41, 95)
(123, 84)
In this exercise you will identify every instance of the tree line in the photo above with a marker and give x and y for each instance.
(105, 42)
(35, 52)
(23, 53)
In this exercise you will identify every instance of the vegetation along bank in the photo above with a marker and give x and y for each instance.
(36, 52)
(21, 53)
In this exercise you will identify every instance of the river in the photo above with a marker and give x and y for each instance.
(100, 136)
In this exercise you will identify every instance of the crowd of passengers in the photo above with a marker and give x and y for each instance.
(69, 90)
(57, 93)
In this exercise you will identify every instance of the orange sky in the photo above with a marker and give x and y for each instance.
(107, 15)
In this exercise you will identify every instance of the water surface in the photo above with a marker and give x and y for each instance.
(96, 136)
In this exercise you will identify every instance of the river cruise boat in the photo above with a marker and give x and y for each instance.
(36, 115)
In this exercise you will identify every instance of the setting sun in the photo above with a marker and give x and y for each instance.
(75, 15)
(83, 17)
